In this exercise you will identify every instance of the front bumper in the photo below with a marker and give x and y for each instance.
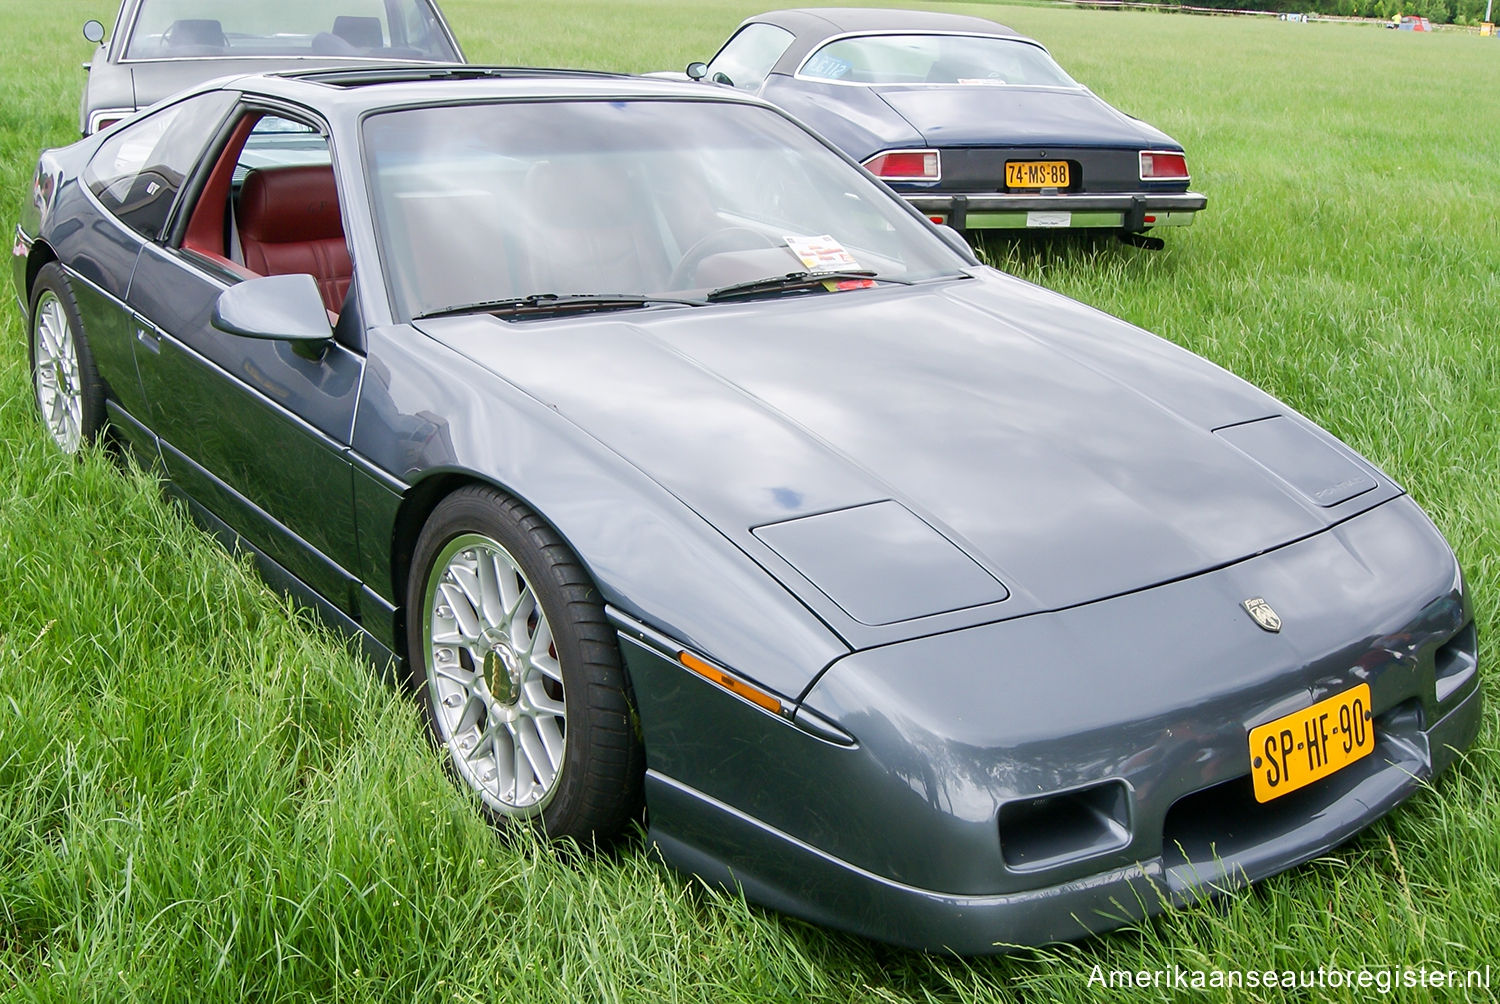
(1041, 778)
(1129, 211)
(780, 871)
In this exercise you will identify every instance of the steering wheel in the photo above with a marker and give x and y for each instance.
(717, 242)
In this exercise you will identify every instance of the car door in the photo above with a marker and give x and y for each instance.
(253, 431)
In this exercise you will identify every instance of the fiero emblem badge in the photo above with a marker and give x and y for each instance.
(1260, 611)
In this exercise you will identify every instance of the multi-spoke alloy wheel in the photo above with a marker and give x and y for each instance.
(519, 671)
(68, 390)
(494, 679)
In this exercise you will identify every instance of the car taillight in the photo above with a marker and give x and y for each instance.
(101, 119)
(1163, 165)
(905, 165)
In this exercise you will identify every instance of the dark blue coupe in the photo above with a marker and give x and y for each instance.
(974, 124)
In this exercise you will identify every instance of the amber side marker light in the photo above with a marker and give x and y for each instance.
(740, 688)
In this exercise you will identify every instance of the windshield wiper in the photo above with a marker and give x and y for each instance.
(544, 304)
(794, 281)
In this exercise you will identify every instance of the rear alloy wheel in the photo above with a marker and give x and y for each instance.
(68, 390)
(519, 671)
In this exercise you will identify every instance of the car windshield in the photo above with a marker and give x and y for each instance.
(482, 203)
(388, 29)
(935, 59)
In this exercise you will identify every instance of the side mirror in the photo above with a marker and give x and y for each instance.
(93, 31)
(697, 71)
(279, 308)
(955, 240)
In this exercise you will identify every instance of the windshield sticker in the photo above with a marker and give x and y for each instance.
(821, 254)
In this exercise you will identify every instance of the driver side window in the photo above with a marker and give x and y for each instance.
(270, 206)
(747, 58)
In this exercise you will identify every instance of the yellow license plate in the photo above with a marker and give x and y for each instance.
(1297, 749)
(1037, 174)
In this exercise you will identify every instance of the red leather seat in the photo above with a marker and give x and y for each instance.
(289, 223)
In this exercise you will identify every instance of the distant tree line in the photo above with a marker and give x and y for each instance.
(1436, 11)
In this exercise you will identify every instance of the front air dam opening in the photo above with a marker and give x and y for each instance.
(1037, 833)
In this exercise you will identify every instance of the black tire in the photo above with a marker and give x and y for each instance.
(66, 388)
(596, 787)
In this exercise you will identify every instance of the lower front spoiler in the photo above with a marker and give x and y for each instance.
(1131, 212)
(782, 872)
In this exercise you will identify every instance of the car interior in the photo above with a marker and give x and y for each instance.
(288, 222)
(347, 35)
(350, 35)
(560, 224)
(194, 37)
(257, 217)
(553, 225)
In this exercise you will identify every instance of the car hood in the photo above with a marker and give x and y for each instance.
(1069, 454)
(979, 115)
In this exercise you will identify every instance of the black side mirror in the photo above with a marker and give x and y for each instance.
(697, 71)
(93, 31)
(280, 308)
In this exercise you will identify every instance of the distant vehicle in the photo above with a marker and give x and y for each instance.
(974, 124)
(1410, 23)
(163, 46)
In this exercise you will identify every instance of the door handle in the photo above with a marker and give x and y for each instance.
(147, 338)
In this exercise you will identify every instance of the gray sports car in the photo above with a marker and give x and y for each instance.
(162, 46)
(974, 123)
(681, 464)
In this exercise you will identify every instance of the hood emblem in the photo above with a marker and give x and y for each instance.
(1260, 611)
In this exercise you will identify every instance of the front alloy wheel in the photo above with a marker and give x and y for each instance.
(519, 671)
(494, 680)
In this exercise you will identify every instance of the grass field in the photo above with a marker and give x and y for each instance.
(204, 798)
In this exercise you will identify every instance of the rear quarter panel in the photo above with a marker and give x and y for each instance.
(852, 118)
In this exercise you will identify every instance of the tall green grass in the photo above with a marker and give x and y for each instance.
(203, 797)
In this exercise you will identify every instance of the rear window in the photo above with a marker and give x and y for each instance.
(137, 173)
(935, 59)
(389, 29)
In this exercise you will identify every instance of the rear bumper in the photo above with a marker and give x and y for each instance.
(20, 252)
(1131, 211)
